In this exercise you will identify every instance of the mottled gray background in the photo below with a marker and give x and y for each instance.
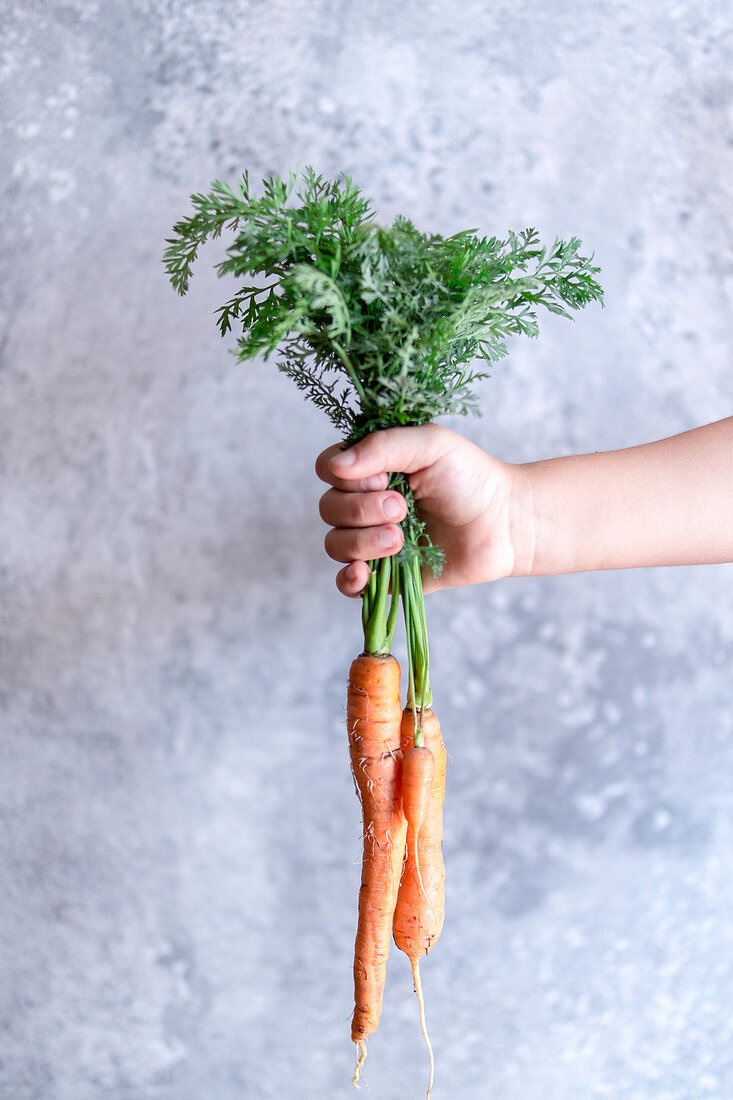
(179, 833)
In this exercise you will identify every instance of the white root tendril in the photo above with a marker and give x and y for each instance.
(361, 1056)
(421, 1005)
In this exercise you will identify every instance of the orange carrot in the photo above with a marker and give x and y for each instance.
(418, 771)
(373, 722)
(420, 908)
(418, 916)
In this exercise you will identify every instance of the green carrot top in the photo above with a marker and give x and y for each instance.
(378, 326)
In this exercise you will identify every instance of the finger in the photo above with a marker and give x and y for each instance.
(340, 509)
(352, 579)
(362, 544)
(394, 450)
(346, 484)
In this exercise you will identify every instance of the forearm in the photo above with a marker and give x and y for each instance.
(664, 503)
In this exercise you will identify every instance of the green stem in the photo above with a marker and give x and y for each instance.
(379, 611)
(378, 622)
(395, 604)
(410, 632)
(350, 371)
(368, 598)
(413, 603)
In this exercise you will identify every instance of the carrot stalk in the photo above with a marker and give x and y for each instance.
(416, 628)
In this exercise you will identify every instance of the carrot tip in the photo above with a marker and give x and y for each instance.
(362, 1053)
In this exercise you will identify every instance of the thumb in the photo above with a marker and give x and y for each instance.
(394, 451)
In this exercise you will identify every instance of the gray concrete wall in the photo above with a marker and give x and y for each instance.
(179, 837)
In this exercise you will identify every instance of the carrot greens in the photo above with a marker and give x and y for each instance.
(379, 326)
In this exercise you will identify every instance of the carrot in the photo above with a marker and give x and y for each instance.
(420, 908)
(419, 912)
(418, 771)
(373, 723)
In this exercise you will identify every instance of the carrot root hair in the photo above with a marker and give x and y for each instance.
(421, 1005)
(361, 1053)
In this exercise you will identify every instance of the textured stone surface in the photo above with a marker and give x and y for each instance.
(178, 831)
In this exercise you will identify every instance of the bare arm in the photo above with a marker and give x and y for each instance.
(664, 503)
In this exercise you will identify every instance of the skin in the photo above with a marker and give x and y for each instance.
(668, 502)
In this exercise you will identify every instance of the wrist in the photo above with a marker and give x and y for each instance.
(545, 519)
(521, 519)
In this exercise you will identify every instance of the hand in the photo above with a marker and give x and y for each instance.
(469, 501)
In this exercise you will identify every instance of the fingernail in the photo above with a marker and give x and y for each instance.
(387, 538)
(343, 459)
(392, 508)
(373, 482)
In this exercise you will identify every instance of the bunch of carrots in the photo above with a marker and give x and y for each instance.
(379, 326)
(398, 760)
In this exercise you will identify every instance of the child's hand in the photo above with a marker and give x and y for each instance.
(468, 501)
(661, 503)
